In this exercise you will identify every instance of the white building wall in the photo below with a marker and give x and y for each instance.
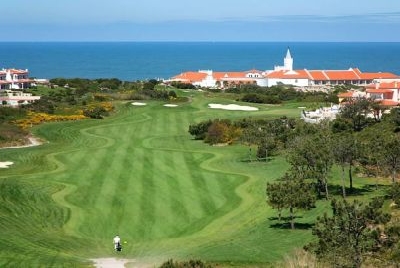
(262, 82)
(294, 82)
(14, 98)
(288, 63)
(208, 82)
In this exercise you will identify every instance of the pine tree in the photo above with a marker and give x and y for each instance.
(346, 237)
(291, 193)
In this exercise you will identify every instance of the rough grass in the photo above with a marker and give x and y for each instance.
(140, 175)
(11, 135)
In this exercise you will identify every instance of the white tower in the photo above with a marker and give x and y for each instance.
(288, 61)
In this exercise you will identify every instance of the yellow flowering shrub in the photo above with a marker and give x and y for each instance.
(34, 118)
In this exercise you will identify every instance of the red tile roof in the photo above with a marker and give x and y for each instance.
(15, 71)
(254, 71)
(369, 76)
(295, 74)
(190, 77)
(318, 75)
(342, 75)
(357, 71)
(348, 94)
(384, 85)
(379, 90)
(229, 75)
(389, 103)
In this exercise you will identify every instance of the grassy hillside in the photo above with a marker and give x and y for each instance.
(139, 174)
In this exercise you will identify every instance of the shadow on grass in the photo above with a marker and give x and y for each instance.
(297, 225)
(284, 223)
(255, 159)
(366, 189)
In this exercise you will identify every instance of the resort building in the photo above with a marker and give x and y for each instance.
(14, 79)
(351, 94)
(15, 98)
(284, 75)
(208, 78)
(386, 93)
(12, 82)
(323, 113)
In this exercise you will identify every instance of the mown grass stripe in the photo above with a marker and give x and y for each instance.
(215, 185)
(88, 175)
(109, 188)
(188, 190)
(200, 183)
(177, 191)
(161, 200)
(131, 223)
(147, 207)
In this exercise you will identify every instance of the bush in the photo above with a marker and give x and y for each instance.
(254, 98)
(44, 105)
(172, 94)
(185, 264)
(97, 112)
(9, 113)
(258, 98)
(199, 130)
(181, 85)
(222, 132)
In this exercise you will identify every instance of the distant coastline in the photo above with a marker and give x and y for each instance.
(147, 60)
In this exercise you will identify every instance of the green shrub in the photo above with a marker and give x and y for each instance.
(185, 264)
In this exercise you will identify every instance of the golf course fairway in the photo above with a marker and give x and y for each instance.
(139, 174)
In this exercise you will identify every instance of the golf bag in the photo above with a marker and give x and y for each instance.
(118, 247)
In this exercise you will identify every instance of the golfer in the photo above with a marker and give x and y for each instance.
(117, 243)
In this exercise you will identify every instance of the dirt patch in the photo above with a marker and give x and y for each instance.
(32, 142)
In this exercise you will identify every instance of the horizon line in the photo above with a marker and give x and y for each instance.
(180, 41)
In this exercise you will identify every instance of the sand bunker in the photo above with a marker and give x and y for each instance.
(139, 103)
(111, 263)
(120, 263)
(232, 107)
(5, 164)
(170, 105)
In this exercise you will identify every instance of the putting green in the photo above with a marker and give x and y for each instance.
(139, 174)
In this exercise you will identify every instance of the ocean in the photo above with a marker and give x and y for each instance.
(130, 61)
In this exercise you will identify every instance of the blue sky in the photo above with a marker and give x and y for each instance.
(201, 20)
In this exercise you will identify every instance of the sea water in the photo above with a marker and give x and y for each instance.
(131, 61)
